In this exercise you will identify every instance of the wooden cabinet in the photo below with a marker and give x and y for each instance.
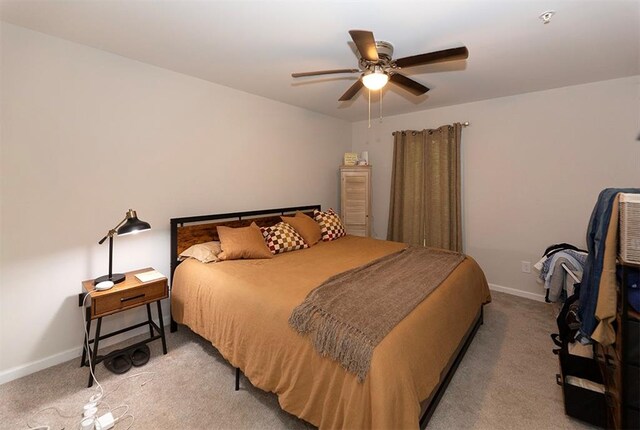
(355, 199)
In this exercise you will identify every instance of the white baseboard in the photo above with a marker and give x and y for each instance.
(74, 353)
(70, 354)
(519, 293)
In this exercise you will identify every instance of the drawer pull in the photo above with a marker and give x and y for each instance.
(126, 299)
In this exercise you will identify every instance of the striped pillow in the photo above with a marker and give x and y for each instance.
(331, 226)
(282, 238)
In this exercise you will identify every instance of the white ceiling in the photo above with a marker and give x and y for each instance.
(253, 46)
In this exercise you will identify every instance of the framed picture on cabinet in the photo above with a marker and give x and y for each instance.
(350, 158)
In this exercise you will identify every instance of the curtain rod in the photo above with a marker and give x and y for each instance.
(463, 124)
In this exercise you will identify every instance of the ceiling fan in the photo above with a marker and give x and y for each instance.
(377, 67)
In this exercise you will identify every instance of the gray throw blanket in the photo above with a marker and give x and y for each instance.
(350, 313)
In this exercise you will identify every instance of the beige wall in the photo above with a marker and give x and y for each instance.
(87, 135)
(533, 165)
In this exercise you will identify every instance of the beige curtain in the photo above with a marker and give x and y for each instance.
(425, 188)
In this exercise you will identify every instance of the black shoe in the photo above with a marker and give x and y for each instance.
(118, 364)
(140, 355)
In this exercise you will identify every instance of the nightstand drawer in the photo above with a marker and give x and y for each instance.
(120, 300)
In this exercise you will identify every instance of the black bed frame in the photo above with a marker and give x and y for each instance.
(429, 405)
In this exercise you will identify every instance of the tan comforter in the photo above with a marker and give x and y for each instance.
(243, 307)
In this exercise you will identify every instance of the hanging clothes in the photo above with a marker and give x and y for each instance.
(596, 238)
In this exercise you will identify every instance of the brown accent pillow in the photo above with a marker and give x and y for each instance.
(305, 226)
(242, 242)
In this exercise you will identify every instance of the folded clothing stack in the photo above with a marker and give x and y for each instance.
(551, 270)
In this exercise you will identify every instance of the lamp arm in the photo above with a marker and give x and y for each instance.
(105, 238)
(112, 232)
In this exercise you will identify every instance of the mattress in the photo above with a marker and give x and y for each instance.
(242, 307)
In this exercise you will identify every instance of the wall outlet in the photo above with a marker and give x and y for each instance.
(525, 266)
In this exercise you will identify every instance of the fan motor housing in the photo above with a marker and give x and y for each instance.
(385, 50)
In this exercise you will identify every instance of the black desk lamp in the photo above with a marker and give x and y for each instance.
(130, 224)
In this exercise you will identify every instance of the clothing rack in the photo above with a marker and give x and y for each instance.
(570, 272)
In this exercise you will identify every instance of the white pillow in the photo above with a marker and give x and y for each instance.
(204, 252)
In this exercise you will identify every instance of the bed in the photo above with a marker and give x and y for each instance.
(242, 307)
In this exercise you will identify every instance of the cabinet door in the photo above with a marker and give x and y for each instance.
(355, 202)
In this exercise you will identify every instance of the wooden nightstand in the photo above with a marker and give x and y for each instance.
(128, 294)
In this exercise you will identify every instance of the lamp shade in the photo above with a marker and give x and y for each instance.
(375, 80)
(132, 224)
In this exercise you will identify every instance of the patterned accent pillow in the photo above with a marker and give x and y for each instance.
(282, 238)
(330, 225)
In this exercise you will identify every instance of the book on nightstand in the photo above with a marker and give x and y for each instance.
(151, 275)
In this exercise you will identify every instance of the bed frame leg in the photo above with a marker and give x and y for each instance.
(237, 379)
(173, 327)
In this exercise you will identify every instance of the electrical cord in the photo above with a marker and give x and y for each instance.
(86, 339)
(125, 411)
(94, 398)
(102, 394)
(96, 414)
(66, 415)
(132, 420)
(142, 384)
(97, 400)
(44, 426)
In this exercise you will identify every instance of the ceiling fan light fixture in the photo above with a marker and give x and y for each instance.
(375, 80)
(377, 66)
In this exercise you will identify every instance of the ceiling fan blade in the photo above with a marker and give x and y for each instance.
(352, 91)
(365, 43)
(324, 72)
(408, 84)
(434, 57)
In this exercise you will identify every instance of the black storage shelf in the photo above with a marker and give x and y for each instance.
(620, 362)
(581, 403)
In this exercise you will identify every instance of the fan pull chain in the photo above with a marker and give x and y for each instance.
(369, 109)
(380, 104)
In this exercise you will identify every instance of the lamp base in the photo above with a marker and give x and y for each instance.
(116, 278)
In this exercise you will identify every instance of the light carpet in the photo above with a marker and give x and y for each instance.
(506, 381)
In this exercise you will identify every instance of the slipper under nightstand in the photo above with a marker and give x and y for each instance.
(129, 294)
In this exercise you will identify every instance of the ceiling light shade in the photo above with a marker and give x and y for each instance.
(375, 80)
